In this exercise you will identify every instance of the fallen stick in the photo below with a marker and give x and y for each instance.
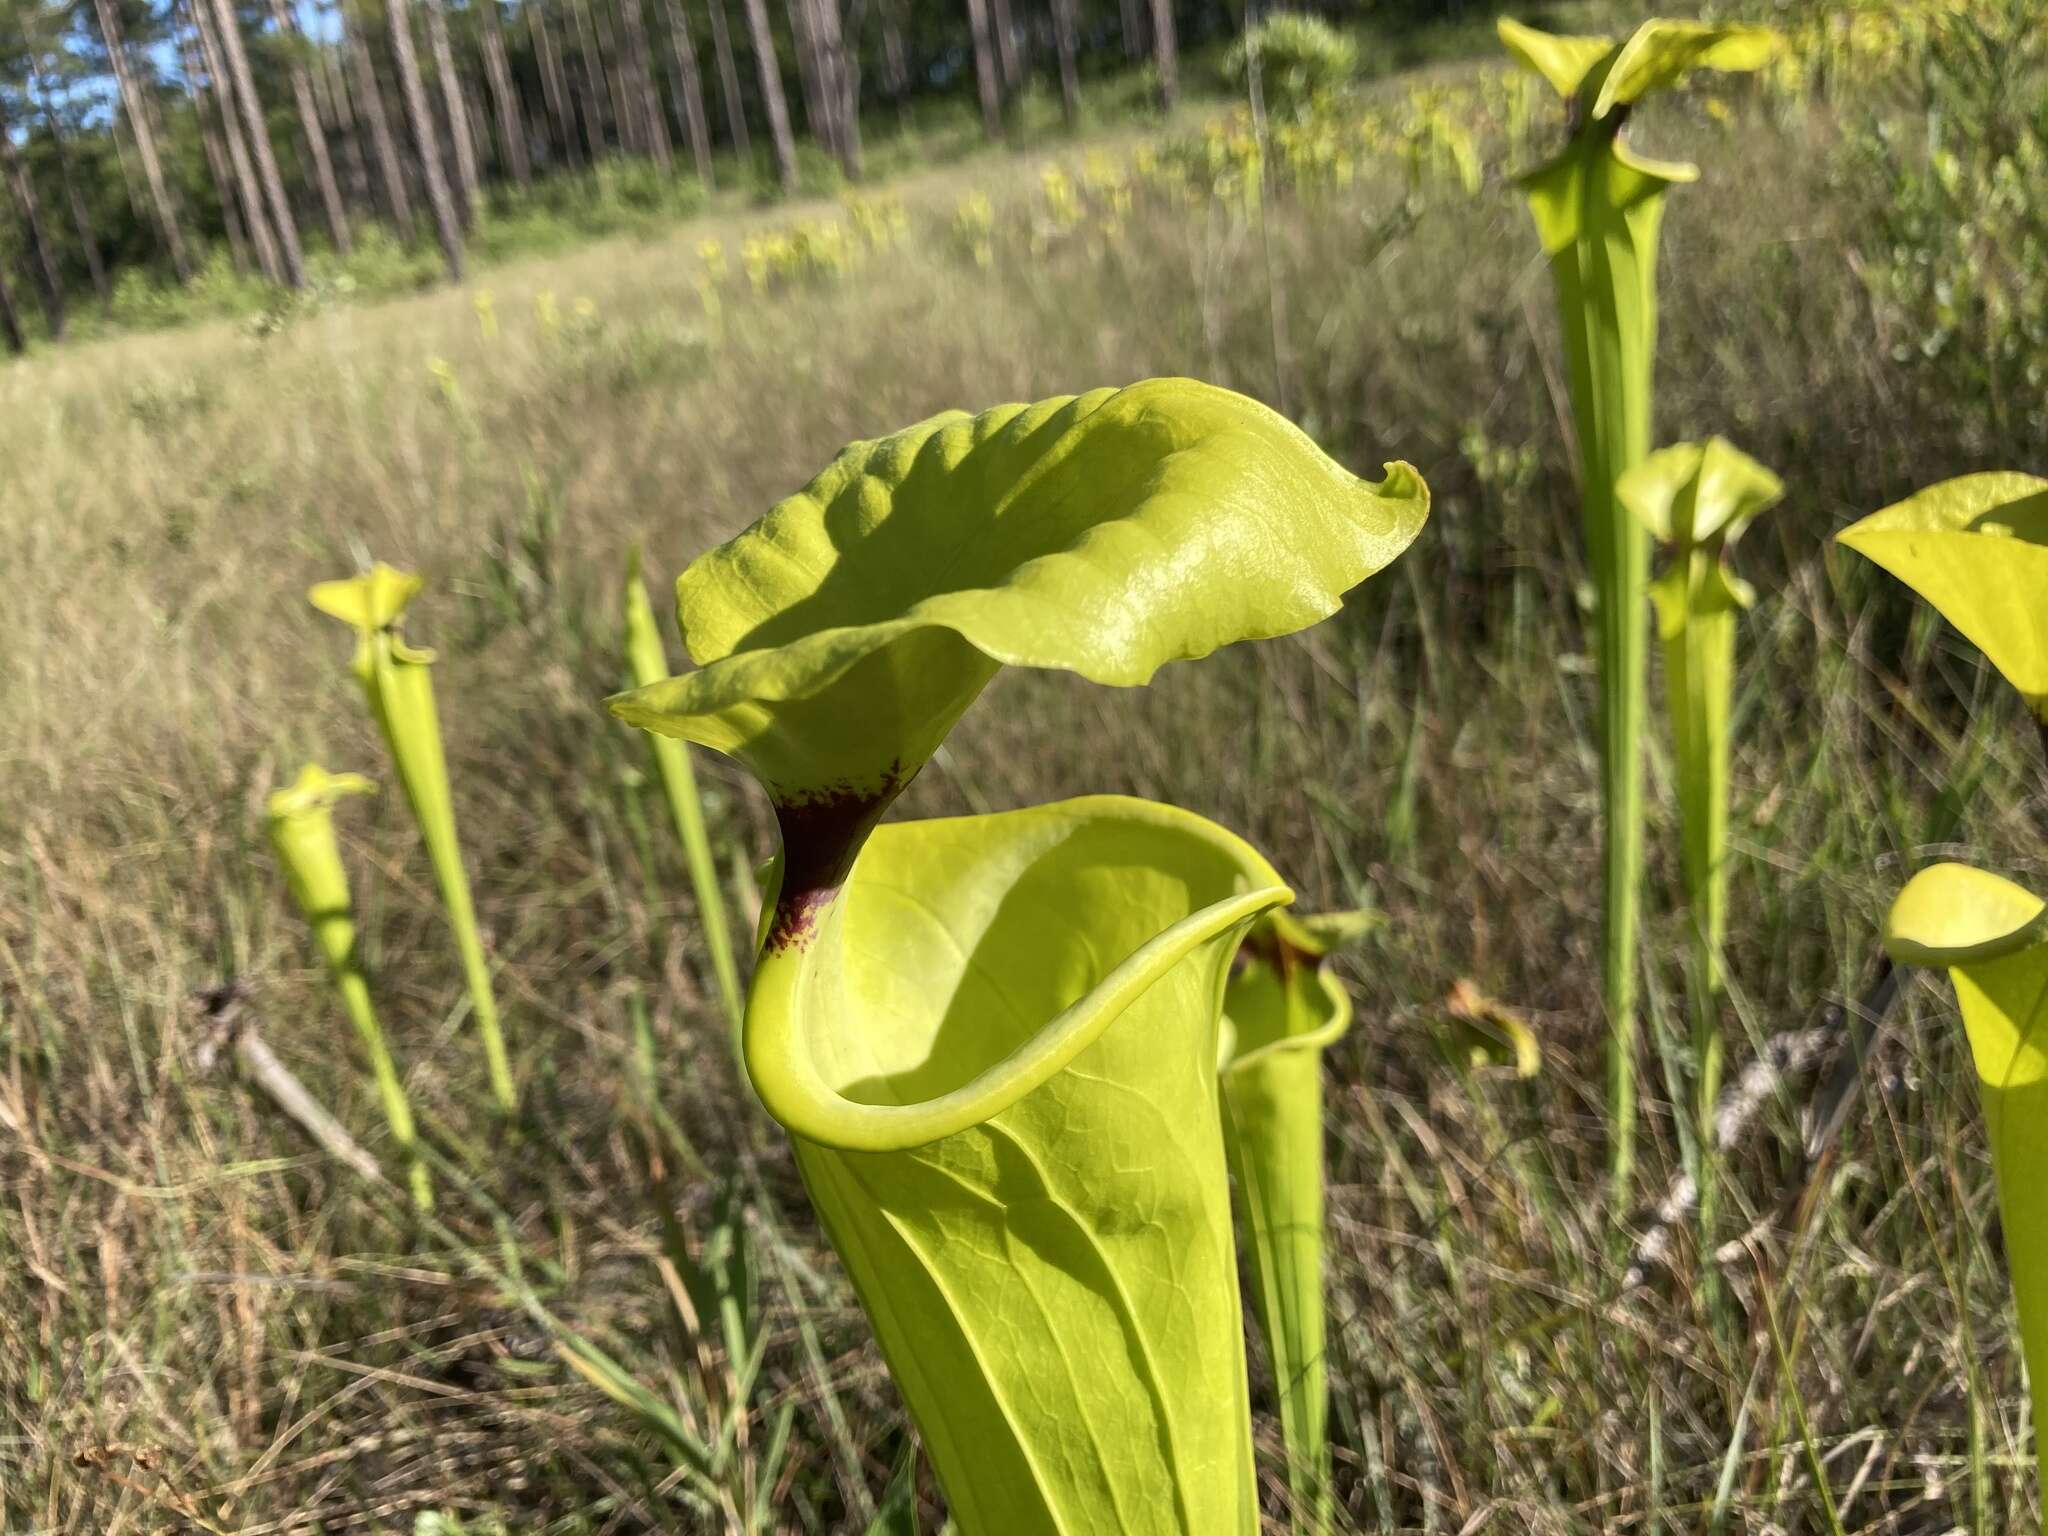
(226, 1007)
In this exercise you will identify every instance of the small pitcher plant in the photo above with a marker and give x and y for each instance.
(1281, 1010)
(994, 1038)
(400, 693)
(1598, 206)
(301, 825)
(1696, 499)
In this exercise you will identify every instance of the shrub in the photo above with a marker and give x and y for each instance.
(1302, 60)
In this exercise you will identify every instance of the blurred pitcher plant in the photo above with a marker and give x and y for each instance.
(300, 819)
(994, 1039)
(400, 692)
(1598, 206)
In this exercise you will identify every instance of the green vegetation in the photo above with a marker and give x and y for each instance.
(628, 1317)
(400, 693)
(1698, 498)
(1598, 207)
(979, 1032)
(648, 660)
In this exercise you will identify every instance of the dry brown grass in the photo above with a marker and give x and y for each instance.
(204, 1324)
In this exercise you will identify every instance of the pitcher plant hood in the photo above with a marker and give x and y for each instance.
(1976, 548)
(840, 637)
(1603, 78)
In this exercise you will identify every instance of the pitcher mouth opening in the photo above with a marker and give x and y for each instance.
(963, 962)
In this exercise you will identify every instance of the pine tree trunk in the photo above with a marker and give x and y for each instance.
(1066, 43)
(383, 142)
(590, 99)
(729, 82)
(10, 322)
(49, 280)
(474, 114)
(1132, 15)
(467, 192)
(654, 116)
(803, 38)
(895, 61)
(839, 68)
(341, 119)
(690, 91)
(447, 224)
(1166, 53)
(81, 216)
(217, 164)
(316, 134)
(985, 69)
(772, 100)
(626, 122)
(279, 206)
(554, 84)
(248, 194)
(504, 94)
(145, 141)
(1004, 26)
(596, 85)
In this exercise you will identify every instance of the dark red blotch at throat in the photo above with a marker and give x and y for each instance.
(822, 834)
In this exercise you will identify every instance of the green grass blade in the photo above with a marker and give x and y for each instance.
(649, 663)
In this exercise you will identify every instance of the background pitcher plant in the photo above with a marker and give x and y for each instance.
(300, 819)
(1696, 499)
(994, 1038)
(1598, 207)
(1282, 1009)
(400, 692)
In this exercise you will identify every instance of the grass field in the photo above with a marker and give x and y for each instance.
(207, 1323)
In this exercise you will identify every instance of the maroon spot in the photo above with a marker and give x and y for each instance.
(822, 834)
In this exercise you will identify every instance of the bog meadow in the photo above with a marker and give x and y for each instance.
(893, 768)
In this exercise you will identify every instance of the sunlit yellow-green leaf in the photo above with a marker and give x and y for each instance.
(1660, 53)
(1952, 914)
(997, 1052)
(1977, 549)
(1992, 936)
(374, 600)
(840, 637)
(994, 1040)
(1604, 74)
(1564, 60)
